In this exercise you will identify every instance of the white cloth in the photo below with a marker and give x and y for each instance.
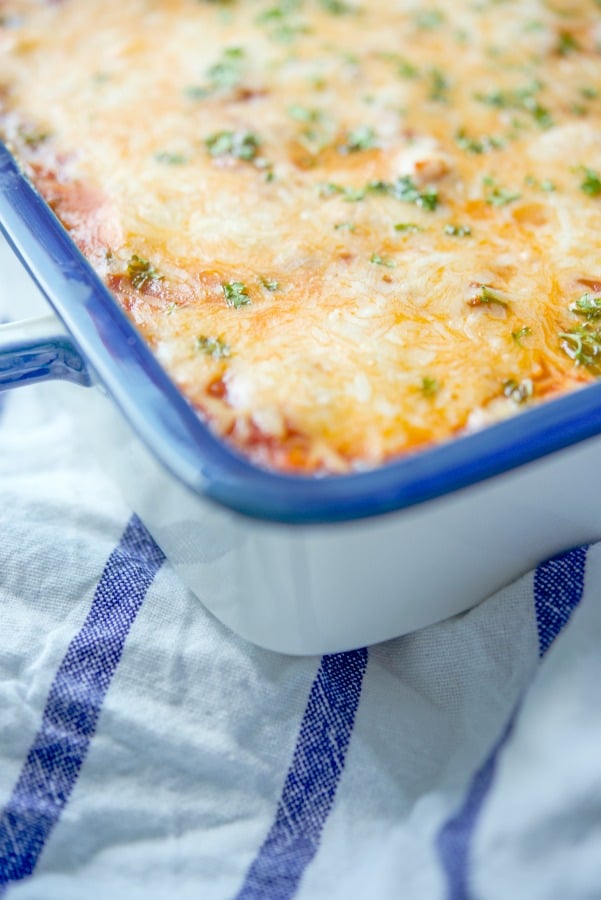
(146, 752)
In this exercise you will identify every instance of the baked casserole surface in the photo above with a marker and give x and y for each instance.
(348, 230)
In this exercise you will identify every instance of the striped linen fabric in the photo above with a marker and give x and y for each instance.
(145, 752)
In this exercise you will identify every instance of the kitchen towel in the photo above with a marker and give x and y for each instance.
(146, 752)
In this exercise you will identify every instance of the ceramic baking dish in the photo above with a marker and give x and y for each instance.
(298, 564)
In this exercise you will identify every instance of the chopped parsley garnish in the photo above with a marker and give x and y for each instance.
(304, 113)
(520, 99)
(242, 145)
(520, 334)
(288, 32)
(382, 261)
(361, 138)
(429, 19)
(335, 7)
(567, 43)
(350, 194)
(235, 293)
(404, 188)
(405, 227)
(214, 347)
(478, 145)
(589, 306)
(499, 196)
(540, 114)
(583, 346)
(579, 109)
(430, 386)
(141, 272)
(270, 284)
(227, 72)
(353, 195)
(277, 13)
(378, 187)
(458, 230)
(404, 68)
(518, 391)
(534, 25)
(285, 27)
(329, 189)
(591, 183)
(486, 295)
(33, 137)
(544, 185)
(438, 85)
(197, 91)
(171, 159)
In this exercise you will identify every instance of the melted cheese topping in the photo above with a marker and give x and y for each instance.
(347, 229)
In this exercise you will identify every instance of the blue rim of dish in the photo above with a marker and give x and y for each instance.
(124, 365)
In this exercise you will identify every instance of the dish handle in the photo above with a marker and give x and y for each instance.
(39, 349)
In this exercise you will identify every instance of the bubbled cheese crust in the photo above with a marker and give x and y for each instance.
(347, 229)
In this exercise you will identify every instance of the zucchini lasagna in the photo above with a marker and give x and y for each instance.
(348, 229)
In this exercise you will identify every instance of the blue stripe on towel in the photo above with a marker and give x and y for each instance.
(57, 754)
(558, 588)
(312, 779)
(3, 394)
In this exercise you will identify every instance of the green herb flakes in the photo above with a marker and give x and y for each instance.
(438, 85)
(589, 306)
(583, 346)
(524, 99)
(429, 19)
(478, 145)
(591, 182)
(520, 334)
(407, 227)
(567, 43)
(304, 113)
(236, 294)
(545, 184)
(270, 284)
(361, 138)
(227, 71)
(171, 159)
(486, 295)
(379, 260)
(499, 196)
(243, 145)
(430, 387)
(457, 230)
(141, 272)
(212, 346)
(335, 7)
(518, 391)
(405, 189)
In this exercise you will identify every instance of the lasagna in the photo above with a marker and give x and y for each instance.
(348, 229)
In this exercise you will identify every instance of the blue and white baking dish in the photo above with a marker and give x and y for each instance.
(293, 563)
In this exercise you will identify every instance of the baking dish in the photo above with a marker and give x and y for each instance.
(298, 564)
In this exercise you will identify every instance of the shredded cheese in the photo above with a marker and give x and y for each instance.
(348, 229)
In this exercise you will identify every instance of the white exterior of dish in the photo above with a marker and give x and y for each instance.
(325, 588)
